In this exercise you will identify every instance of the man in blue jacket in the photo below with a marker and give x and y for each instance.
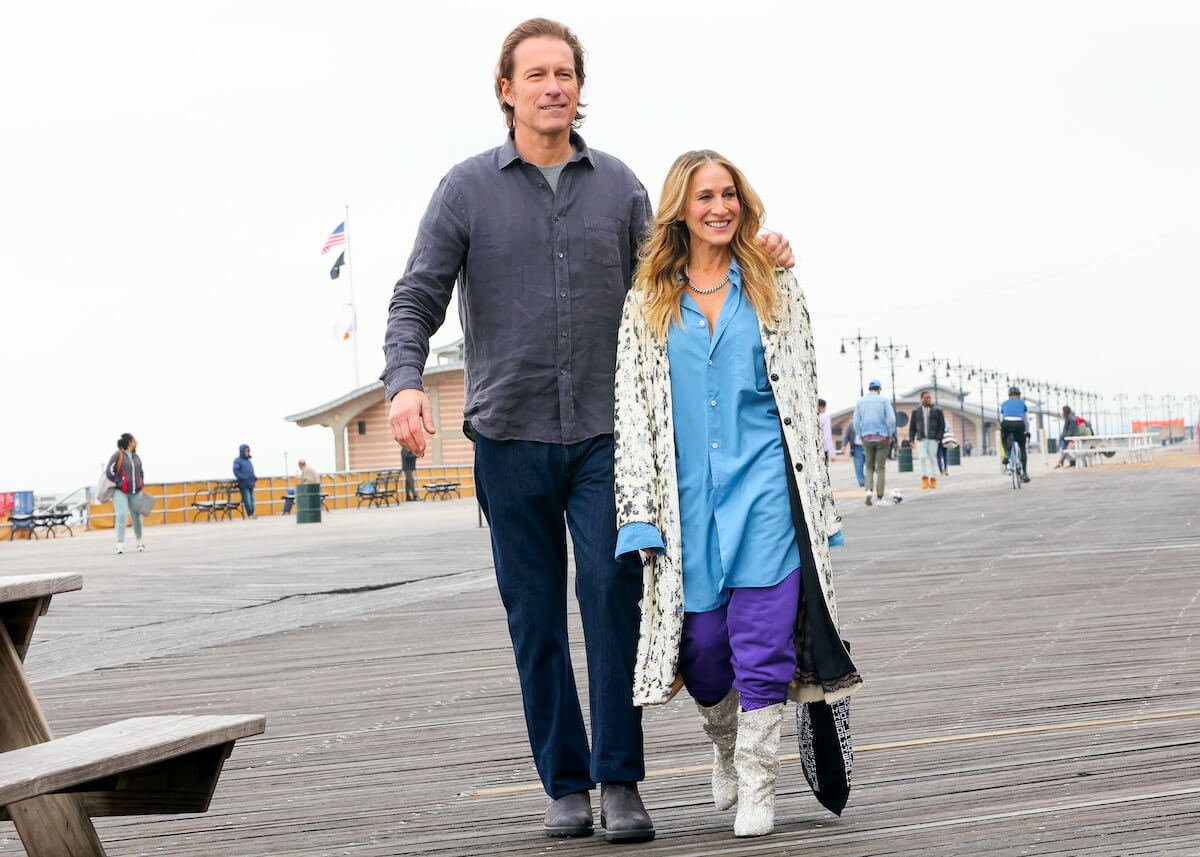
(875, 423)
(243, 472)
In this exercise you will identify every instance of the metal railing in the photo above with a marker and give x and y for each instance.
(340, 489)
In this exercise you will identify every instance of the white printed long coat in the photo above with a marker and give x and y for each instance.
(647, 490)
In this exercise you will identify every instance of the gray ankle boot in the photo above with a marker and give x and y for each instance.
(756, 758)
(721, 727)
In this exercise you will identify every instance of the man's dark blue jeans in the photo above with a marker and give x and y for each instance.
(531, 494)
(247, 499)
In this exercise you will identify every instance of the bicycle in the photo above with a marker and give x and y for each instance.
(1014, 464)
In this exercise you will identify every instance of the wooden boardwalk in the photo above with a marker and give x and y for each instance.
(1032, 664)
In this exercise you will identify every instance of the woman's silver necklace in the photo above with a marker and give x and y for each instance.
(699, 290)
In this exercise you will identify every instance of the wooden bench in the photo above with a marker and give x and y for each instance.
(52, 788)
(1094, 449)
(441, 490)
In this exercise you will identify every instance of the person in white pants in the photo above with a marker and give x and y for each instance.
(925, 431)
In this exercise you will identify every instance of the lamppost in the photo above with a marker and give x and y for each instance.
(1168, 401)
(959, 369)
(983, 435)
(860, 344)
(1121, 397)
(1192, 400)
(892, 351)
(933, 367)
(1146, 399)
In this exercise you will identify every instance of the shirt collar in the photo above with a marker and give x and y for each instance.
(735, 283)
(507, 154)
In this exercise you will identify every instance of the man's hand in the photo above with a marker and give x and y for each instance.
(409, 412)
(778, 249)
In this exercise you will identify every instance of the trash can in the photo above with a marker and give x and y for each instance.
(1052, 444)
(906, 459)
(953, 455)
(308, 503)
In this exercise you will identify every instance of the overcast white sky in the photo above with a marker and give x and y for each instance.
(171, 170)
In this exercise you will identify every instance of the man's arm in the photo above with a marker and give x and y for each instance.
(416, 311)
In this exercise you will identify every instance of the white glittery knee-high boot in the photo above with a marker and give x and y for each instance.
(721, 727)
(756, 759)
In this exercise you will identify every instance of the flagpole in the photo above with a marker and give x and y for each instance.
(353, 309)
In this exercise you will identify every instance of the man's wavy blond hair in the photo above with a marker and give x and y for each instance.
(659, 276)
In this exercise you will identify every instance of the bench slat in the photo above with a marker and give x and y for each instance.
(118, 748)
(25, 586)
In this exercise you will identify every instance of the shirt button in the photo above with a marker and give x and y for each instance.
(562, 371)
(562, 294)
(714, 446)
(709, 362)
(774, 377)
(541, 184)
(561, 254)
(787, 421)
(799, 466)
(564, 333)
(713, 403)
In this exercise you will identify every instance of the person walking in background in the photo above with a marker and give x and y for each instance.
(716, 431)
(308, 476)
(875, 423)
(852, 443)
(543, 229)
(243, 472)
(408, 462)
(124, 470)
(925, 431)
(826, 431)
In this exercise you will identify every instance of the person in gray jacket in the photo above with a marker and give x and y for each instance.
(875, 423)
(124, 470)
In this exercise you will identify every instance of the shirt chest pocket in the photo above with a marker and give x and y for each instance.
(602, 241)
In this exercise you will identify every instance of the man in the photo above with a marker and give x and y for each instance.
(542, 234)
(243, 472)
(308, 476)
(408, 462)
(1014, 426)
(875, 423)
(852, 442)
(1070, 429)
(925, 431)
(826, 431)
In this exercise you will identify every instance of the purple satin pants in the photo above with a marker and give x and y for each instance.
(747, 644)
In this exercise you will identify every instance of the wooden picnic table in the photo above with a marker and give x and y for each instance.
(51, 789)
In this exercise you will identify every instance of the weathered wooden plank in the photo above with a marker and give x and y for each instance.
(127, 746)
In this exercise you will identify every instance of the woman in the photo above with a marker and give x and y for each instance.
(125, 471)
(722, 482)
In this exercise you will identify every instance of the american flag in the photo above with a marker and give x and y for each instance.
(336, 237)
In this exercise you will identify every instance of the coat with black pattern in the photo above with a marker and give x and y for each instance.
(647, 489)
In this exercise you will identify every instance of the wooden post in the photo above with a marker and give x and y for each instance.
(50, 825)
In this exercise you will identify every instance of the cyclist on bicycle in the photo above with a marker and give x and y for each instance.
(1013, 427)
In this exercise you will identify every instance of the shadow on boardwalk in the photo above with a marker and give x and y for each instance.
(1031, 661)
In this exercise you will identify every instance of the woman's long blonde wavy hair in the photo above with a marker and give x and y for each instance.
(663, 255)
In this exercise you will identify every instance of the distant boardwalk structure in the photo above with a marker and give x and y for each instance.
(1032, 663)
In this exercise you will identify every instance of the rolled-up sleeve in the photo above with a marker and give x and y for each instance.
(639, 535)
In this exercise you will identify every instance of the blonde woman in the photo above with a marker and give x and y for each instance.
(722, 482)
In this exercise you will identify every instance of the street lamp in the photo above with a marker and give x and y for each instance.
(933, 369)
(1168, 401)
(892, 351)
(983, 435)
(860, 345)
(1121, 397)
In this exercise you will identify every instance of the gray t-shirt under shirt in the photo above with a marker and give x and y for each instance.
(552, 174)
